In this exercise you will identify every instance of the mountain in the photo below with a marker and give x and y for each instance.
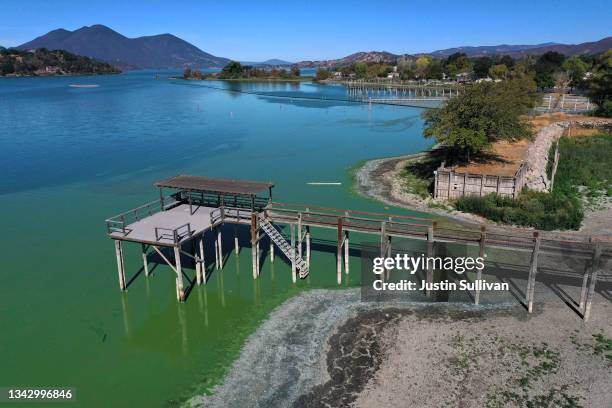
(270, 62)
(105, 44)
(593, 47)
(480, 51)
(371, 56)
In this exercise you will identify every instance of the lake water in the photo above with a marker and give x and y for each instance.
(71, 157)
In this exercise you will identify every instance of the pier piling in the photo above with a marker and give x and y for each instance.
(120, 263)
(180, 291)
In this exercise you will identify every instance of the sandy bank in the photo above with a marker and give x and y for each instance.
(327, 348)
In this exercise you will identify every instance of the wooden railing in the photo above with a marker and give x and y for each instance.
(119, 223)
(175, 235)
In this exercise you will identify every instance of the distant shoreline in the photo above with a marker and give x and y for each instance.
(300, 79)
(59, 75)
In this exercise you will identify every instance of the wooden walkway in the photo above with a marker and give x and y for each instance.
(179, 222)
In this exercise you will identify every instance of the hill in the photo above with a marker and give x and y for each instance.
(371, 56)
(594, 47)
(270, 62)
(43, 62)
(105, 44)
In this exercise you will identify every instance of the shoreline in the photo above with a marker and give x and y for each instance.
(378, 179)
(301, 79)
(342, 350)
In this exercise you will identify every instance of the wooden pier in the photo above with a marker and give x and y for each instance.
(398, 93)
(174, 227)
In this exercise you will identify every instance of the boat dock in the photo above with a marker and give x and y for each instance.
(174, 228)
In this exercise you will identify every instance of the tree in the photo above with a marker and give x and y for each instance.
(546, 66)
(406, 69)
(322, 74)
(434, 70)
(456, 63)
(483, 113)
(187, 73)
(481, 66)
(600, 85)
(562, 80)
(576, 68)
(499, 71)
(233, 69)
(361, 69)
(295, 71)
(507, 61)
(421, 65)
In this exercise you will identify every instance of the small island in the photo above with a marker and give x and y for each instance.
(235, 71)
(42, 62)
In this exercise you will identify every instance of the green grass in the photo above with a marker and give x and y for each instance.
(414, 184)
(599, 345)
(584, 175)
(585, 161)
(534, 209)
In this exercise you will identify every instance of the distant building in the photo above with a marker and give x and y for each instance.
(464, 77)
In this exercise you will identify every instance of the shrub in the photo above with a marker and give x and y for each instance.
(535, 209)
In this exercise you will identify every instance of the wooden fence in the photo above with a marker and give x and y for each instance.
(449, 184)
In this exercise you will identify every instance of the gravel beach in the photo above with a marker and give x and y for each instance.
(327, 348)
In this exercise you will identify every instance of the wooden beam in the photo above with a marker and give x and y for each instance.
(120, 263)
(216, 241)
(299, 234)
(258, 252)
(180, 291)
(293, 266)
(202, 270)
(533, 269)
(346, 252)
(595, 267)
(339, 252)
(308, 246)
(254, 243)
(430, 253)
(145, 260)
(170, 264)
(481, 254)
(236, 243)
(220, 247)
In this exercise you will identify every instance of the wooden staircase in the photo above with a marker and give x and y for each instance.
(284, 246)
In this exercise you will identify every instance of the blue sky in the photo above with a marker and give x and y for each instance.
(297, 30)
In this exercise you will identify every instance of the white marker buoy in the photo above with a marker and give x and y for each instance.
(318, 183)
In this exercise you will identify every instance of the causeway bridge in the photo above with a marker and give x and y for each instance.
(174, 228)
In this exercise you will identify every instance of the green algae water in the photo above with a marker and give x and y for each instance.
(71, 157)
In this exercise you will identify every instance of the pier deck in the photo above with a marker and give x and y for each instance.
(159, 228)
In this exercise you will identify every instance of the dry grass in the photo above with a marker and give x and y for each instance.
(503, 159)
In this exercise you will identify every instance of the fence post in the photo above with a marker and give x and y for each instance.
(533, 269)
(594, 271)
(430, 253)
(253, 244)
(481, 254)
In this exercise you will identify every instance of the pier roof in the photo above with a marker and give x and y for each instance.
(216, 185)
